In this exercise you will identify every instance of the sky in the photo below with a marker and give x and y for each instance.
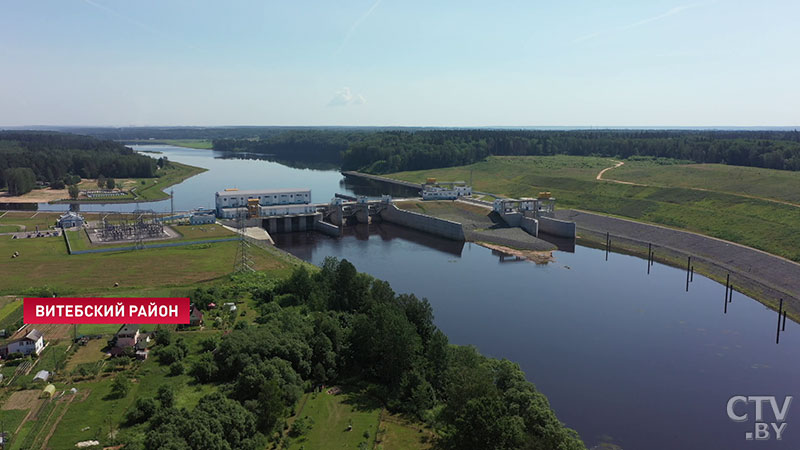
(462, 63)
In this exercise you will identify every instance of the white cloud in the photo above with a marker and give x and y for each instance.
(345, 97)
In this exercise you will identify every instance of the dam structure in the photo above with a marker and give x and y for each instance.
(534, 215)
(290, 210)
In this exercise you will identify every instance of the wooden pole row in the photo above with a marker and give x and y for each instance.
(780, 311)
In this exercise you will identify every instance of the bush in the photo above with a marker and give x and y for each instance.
(301, 426)
(141, 411)
(121, 386)
(163, 337)
(176, 369)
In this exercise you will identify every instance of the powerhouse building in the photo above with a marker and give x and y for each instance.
(270, 202)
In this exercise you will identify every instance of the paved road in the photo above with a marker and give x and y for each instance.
(777, 276)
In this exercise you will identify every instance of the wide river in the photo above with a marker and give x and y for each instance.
(625, 358)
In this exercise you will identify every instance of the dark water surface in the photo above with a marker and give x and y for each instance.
(624, 357)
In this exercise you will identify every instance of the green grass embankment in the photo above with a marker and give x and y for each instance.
(758, 223)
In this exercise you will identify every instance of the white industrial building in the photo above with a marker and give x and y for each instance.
(445, 191)
(71, 219)
(271, 202)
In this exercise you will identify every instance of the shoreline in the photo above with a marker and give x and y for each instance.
(711, 257)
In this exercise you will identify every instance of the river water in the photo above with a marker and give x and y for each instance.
(624, 357)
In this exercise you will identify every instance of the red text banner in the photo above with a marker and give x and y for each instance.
(62, 310)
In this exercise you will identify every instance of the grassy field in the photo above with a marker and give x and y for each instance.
(397, 433)
(331, 415)
(45, 262)
(761, 224)
(779, 185)
(8, 228)
(210, 231)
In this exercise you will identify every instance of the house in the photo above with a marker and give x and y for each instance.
(195, 317)
(30, 343)
(141, 350)
(127, 336)
(71, 219)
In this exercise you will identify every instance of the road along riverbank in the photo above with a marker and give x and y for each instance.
(756, 273)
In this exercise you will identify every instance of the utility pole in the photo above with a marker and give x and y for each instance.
(242, 262)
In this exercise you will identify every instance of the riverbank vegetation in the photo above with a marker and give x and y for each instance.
(59, 158)
(309, 358)
(759, 223)
(370, 348)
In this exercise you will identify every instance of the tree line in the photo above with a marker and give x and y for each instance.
(394, 151)
(60, 159)
(320, 146)
(338, 326)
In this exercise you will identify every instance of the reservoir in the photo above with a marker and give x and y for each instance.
(625, 358)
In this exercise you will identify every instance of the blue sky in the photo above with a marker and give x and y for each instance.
(400, 63)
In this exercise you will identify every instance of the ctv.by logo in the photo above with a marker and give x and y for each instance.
(762, 430)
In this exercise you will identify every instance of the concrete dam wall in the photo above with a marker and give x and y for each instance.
(530, 225)
(439, 227)
(555, 227)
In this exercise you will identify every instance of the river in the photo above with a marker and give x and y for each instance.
(624, 357)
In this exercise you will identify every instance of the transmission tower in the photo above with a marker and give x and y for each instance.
(242, 262)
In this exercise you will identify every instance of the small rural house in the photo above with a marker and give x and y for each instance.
(70, 219)
(195, 317)
(30, 343)
(127, 336)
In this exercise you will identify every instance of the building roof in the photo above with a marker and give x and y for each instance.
(195, 314)
(71, 214)
(128, 328)
(34, 335)
(263, 191)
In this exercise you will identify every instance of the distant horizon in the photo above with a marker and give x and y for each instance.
(477, 127)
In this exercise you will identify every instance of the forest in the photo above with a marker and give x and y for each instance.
(338, 326)
(395, 151)
(60, 158)
(315, 145)
(386, 151)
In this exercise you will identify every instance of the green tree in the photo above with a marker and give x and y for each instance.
(19, 180)
(101, 182)
(166, 396)
(74, 191)
(120, 386)
(141, 411)
(110, 183)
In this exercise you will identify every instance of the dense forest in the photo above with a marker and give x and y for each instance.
(338, 326)
(61, 158)
(320, 146)
(397, 150)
